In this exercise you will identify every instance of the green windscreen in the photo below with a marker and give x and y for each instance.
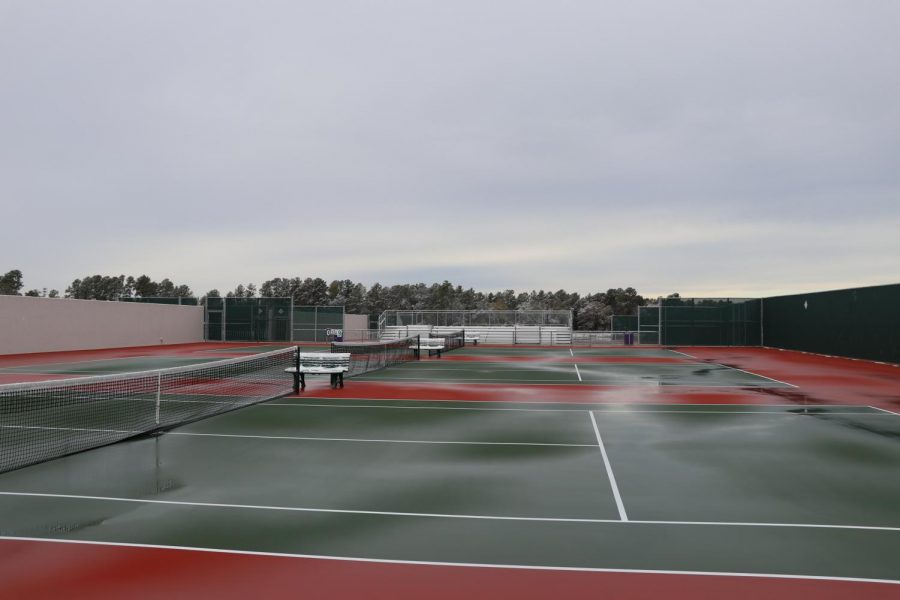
(648, 324)
(213, 325)
(859, 322)
(248, 319)
(624, 323)
(711, 322)
(311, 323)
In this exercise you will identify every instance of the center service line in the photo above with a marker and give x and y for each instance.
(577, 372)
(612, 478)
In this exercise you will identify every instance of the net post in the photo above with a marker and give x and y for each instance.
(158, 393)
(297, 370)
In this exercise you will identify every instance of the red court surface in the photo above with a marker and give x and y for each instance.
(83, 571)
(39, 358)
(29, 377)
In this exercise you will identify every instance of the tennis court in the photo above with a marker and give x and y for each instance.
(510, 460)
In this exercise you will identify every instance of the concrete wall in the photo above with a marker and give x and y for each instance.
(355, 322)
(356, 328)
(55, 324)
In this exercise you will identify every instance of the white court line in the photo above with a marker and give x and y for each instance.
(450, 515)
(450, 564)
(572, 353)
(896, 365)
(606, 366)
(466, 380)
(612, 478)
(741, 412)
(577, 372)
(879, 413)
(64, 364)
(267, 404)
(378, 441)
(538, 402)
(577, 408)
(580, 405)
(743, 386)
(392, 561)
(307, 509)
(629, 384)
(618, 386)
(755, 374)
(884, 410)
(424, 407)
(46, 428)
(735, 369)
(709, 362)
(93, 360)
(516, 367)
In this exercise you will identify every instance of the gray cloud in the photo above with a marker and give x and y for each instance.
(710, 148)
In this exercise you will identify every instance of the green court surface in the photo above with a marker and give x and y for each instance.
(260, 348)
(613, 374)
(109, 366)
(134, 364)
(737, 489)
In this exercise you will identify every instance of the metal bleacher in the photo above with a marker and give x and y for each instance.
(516, 334)
(537, 327)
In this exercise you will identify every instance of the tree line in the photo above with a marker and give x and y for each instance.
(11, 284)
(591, 311)
(99, 287)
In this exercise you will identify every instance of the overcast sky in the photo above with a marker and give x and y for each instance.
(709, 148)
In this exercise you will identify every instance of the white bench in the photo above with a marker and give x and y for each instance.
(429, 344)
(320, 363)
(472, 339)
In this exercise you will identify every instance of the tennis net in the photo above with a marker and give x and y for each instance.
(46, 420)
(452, 339)
(371, 356)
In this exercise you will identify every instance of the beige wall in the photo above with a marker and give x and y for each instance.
(355, 321)
(353, 324)
(54, 324)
